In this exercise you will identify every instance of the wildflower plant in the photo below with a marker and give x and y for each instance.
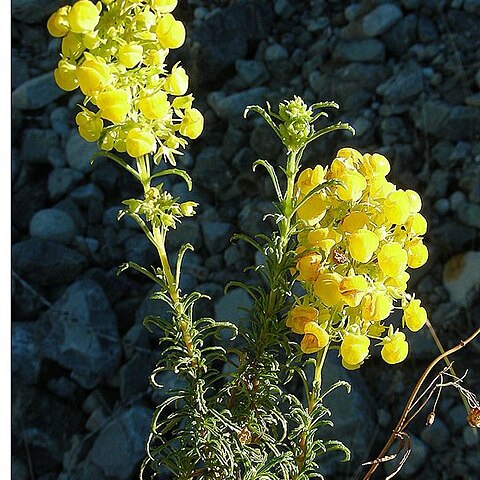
(344, 234)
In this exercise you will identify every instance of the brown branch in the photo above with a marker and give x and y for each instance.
(403, 419)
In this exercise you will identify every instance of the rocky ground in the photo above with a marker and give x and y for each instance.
(407, 76)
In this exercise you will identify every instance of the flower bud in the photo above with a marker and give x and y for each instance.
(188, 208)
(177, 82)
(170, 32)
(395, 348)
(354, 348)
(299, 316)
(154, 107)
(83, 16)
(57, 24)
(130, 55)
(90, 126)
(315, 338)
(114, 105)
(417, 253)
(66, 76)
(140, 142)
(414, 315)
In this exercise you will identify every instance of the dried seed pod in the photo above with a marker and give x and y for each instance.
(473, 417)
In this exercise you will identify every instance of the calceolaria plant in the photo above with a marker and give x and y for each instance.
(344, 233)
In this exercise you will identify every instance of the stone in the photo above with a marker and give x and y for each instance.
(46, 263)
(36, 93)
(225, 35)
(283, 8)
(134, 375)
(53, 224)
(452, 237)
(366, 50)
(469, 214)
(36, 144)
(416, 459)
(34, 11)
(216, 235)
(403, 86)
(436, 436)
(120, 446)
(136, 339)
(252, 72)
(470, 436)
(138, 249)
(442, 206)
(211, 171)
(83, 335)
(61, 181)
(427, 32)
(381, 19)
(19, 70)
(275, 53)
(79, 152)
(265, 143)
(233, 308)
(401, 36)
(461, 276)
(25, 355)
(233, 106)
(60, 119)
(188, 231)
(447, 122)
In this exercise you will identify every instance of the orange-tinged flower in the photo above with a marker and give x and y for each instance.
(313, 210)
(327, 289)
(354, 349)
(154, 107)
(191, 125)
(299, 316)
(309, 179)
(114, 104)
(376, 306)
(309, 266)
(352, 289)
(316, 338)
(392, 259)
(140, 142)
(414, 315)
(362, 245)
(323, 238)
(395, 348)
(83, 16)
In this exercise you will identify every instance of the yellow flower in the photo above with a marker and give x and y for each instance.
(140, 142)
(83, 16)
(154, 107)
(353, 186)
(114, 105)
(354, 349)
(376, 306)
(354, 221)
(327, 289)
(392, 259)
(415, 201)
(352, 156)
(182, 103)
(315, 338)
(323, 238)
(417, 253)
(57, 24)
(93, 76)
(362, 245)
(188, 208)
(66, 75)
(164, 6)
(91, 40)
(397, 207)
(130, 55)
(352, 289)
(170, 32)
(395, 348)
(308, 267)
(375, 165)
(72, 45)
(414, 315)
(90, 126)
(313, 210)
(379, 188)
(191, 125)
(177, 82)
(299, 316)
(416, 224)
(398, 283)
(309, 179)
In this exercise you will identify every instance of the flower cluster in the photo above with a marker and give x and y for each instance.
(357, 236)
(115, 52)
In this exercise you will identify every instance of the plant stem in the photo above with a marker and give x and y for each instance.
(403, 418)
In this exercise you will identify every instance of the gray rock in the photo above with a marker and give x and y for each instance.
(36, 93)
(380, 19)
(83, 335)
(367, 76)
(401, 36)
(447, 122)
(233, 307)
(457, 200)
(134, 375)
(427, 32)
(251, 218)
(138, 249)
(368, 50)
(19, 470)
(25, 355)
(442, 206)
(61, 181)
(252, 72)
(453, 237)
(436, 436)
(53, 224)
(186, 232)
(352, 12)
(415, 461)
(470, 436)
(403, 86)
(37, 143)
(216, 235)
(226, 33)
(461, 276)
(60, 119)
(19, 70)
(233, 106)
(469, 214)
(211, 171)
(136, 339)
(283, 8)
(125, 435)
(275, 53)
(34, 11)
(233, 141)
(472, 6)
(47, 263)
(265, 143)
(79, 152)
(439, 183)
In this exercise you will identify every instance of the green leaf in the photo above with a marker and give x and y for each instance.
(175, 171)
(337, 445)
(273, 176)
